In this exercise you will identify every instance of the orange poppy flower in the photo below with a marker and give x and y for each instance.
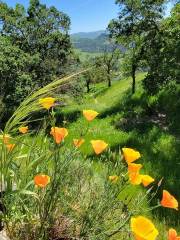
(47, 102)
(99, 146)
(10, 147)
(130, 155)
(172, 234)
(114, 178)
(23, 130)
(58, 134)
(90, 114)
(143, 228)
(78, 142)
(133, 172)
(169, 201)
(146, 180)
(41, 180)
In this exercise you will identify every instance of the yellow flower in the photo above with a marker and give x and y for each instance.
(99, 146)
(133, 171)
(58, 134)
(47, 102)
(23, 129)
(78, 142)
(130, 155)
(90, 114)
(146, 180)
(143, 228)
(114, 178)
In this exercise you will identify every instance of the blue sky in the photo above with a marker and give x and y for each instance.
(86, 15)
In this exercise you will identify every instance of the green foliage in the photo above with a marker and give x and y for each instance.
(16, 79)
(152, 42)
(102, 68)
(168, 103)
(35, 48)
(163, 56)
(108, 64)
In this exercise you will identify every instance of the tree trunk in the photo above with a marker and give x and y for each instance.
(109, 81)
(133, 74)
(88, 86)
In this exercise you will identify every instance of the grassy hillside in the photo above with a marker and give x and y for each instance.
(86, 55)
(141, 122)
(127, 120)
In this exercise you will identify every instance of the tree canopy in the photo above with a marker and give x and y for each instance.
(149, 38)
(35, 44)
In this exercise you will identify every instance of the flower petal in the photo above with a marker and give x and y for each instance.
(41, 180)
(133, 172)
(90, 114)
(23, 130)
(99, 146)
(58, 134)
(78, 142)
(146, 180)
(143, 228)
(172, 234)
(130, 155)
(47, 102)
(169, 201)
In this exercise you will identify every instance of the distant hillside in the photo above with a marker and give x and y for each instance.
(89, 35)
(96, 42)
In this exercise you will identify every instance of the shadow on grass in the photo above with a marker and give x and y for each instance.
(127, 103)
(160, 158)
(70, 116)
(159, 147)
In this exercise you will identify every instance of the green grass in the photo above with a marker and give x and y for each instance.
(85, 55)
(107, 98)
(159, 148)
(106, 102)
(123, 120)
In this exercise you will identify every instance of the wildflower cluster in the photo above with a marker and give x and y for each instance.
(46, 185)
(142, 227)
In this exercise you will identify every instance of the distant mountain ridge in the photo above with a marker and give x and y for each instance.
(90, 35)
(94, 42)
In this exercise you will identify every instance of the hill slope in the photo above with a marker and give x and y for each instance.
(124, 121)
(105, 101)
